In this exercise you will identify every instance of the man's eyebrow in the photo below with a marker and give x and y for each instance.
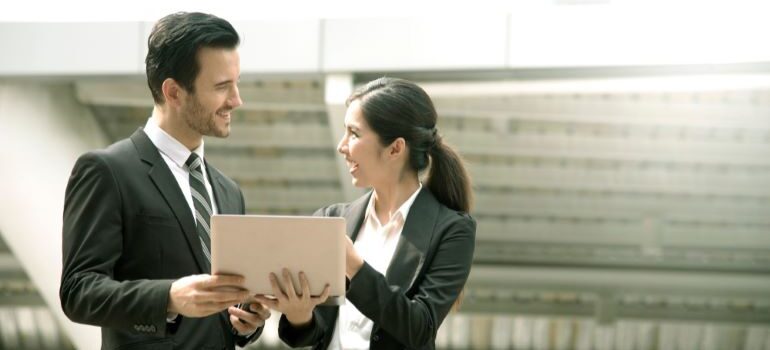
(226, 82)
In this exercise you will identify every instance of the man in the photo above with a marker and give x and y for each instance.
(136, 215)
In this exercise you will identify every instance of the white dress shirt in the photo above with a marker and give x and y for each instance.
(376, 244)
(175, 154)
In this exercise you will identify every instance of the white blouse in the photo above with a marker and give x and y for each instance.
(376, 244)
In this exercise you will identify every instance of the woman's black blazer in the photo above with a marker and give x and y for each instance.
(429, 269)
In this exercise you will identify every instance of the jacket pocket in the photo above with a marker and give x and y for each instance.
(157, 220)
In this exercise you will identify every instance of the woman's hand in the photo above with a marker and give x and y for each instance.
(353, 261)
(298, 308)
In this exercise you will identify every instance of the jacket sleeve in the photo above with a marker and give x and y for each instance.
(92, 242)
(244, 341)
(308, 335)
(414, 320)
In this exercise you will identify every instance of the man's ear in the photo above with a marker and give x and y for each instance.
(172, 92)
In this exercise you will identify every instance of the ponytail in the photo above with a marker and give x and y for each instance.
(447, 178)
(449, 181)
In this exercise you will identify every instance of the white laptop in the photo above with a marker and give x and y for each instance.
(253, 246)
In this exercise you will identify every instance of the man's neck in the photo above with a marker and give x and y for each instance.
(177, 128)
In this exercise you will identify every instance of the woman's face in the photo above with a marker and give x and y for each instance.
(361, 148)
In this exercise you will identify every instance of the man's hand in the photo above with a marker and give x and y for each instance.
(204, 295)
(246, 322)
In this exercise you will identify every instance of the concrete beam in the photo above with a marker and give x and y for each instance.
(337, 89)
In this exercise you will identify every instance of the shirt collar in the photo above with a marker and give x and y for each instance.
(167, 144)
(400, 214)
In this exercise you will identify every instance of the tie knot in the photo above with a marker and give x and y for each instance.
(194, 162)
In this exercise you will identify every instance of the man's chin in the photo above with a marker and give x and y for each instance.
(219, 133)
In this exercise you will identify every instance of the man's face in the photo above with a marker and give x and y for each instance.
(207, 110)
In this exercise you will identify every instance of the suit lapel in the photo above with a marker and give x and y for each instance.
(415, 237)
(168, 187)
(414, 241)
(354, 216)
(225, 204)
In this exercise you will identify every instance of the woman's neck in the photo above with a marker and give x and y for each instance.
(389, 197)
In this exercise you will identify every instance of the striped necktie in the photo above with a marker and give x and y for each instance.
(202, 204)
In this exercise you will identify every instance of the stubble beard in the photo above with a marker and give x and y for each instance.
(198, 119)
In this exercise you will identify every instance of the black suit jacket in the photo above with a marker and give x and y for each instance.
(128, 233)
(428, 270)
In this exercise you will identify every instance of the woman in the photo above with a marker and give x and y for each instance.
(413, 243)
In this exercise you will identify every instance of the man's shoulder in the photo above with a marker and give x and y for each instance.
(115, 152)
(119, 158)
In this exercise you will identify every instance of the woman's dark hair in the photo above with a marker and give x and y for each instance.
(396, 108)
(173, 46)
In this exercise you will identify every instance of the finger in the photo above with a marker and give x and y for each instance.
(271, 303)
(221, 306)
(256, 307)
(324, 295)
(238, 325)
(277, 291)
(224, 280)
(244, 315)
(220, 297)
(261, 310)
(207, 309)
(250, 300)
(264, 314)
(289, 284)
(304, 284)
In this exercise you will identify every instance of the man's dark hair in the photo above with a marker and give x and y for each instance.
(173, 47)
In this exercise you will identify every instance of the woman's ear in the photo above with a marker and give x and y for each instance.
(397, 148)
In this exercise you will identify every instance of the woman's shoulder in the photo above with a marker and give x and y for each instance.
(451, 216)
(447, 216)
(340, 209)
(335, 209)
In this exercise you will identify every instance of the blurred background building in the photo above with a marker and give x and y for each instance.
(620, 154)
